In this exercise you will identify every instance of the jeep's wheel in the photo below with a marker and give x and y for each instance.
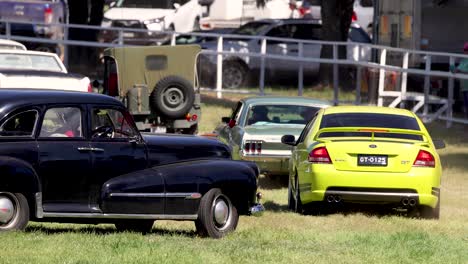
(234, 74)
(14, 211)
(216, 215)
(173, 97)
(134, 225)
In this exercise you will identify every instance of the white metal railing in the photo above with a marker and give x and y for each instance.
(220, 52)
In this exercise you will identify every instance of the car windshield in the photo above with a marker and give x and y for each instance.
(261, 115)
(251, 29)
(165, 4)
(17, 61)
(369, 120)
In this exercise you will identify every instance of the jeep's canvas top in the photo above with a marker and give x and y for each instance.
(148, 65)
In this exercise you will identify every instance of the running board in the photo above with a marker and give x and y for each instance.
(119, 216)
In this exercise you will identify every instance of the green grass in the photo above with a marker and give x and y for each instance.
(278, 236)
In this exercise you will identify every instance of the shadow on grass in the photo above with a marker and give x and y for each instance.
(101, 230)
(369, 210)
(272, 182)
(275, 207)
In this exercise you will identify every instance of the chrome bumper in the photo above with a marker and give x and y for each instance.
(270, 164)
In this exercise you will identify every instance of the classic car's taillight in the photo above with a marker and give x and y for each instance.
(424, 159)
(252, 147)
(319, 155)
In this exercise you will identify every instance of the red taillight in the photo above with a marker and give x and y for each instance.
(319, 155)
(253, 147)
(48, 14)
(424, 159)
(90, 88)
(194, 117)
(188, 117)
(354, 17)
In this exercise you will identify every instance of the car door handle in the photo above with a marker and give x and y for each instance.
(84, 149)
(97, 150)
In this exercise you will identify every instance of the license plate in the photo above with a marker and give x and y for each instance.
(158, 129)
(372, 160)
(129, 34)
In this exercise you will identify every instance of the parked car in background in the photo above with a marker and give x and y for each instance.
(363, 11)
(239, 70)
(35, 18)
(158, 85)
(365, 155)
(38, 70)
(11, 44)
(78, 157)
(230, 14)
(257, 124)
(156, 16)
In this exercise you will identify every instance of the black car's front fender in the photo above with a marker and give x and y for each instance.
(176, 189)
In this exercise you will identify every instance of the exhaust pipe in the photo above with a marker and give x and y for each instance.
(405, 201)
(330, 198)
(337, 199)
(412, 202)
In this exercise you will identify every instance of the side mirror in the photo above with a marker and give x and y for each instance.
(288, 140)
(176, 6)
(438, 143)
(225, 119)
(232, 123)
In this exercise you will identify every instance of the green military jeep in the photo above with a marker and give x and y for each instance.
(158, 84)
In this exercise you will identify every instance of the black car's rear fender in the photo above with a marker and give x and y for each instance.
(18, 176)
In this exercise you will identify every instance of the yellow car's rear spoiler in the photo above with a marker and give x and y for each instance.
(371, 130)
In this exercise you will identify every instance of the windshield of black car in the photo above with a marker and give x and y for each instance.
(261, 115)
(370, 120)
(165, 4)
(251, 29)
(17, 61)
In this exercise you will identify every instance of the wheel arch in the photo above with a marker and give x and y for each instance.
(18, 176)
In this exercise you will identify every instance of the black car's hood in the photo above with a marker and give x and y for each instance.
(169, 148)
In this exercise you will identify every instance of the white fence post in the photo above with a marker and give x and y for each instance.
(301, 70)
(450, 95)
(173, 39)
(427, 85)
(219, 68)
(262, 66)
(383, 61)
(335, 75)
(404, 79)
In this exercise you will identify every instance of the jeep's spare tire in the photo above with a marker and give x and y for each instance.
(172, 97)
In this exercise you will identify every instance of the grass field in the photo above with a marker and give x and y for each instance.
(278, 236)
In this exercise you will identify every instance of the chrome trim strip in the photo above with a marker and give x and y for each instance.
(39, 209)
(158, 195)
(121, 216)
(391, 194)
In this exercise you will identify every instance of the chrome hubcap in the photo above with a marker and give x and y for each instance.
(7, 210)
(221, 212)
(232, 77)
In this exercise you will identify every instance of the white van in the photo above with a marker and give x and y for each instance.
(173, 15)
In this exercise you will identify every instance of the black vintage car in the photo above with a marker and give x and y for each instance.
(79, 158)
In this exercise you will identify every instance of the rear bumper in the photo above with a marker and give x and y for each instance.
(419, 184)
(270, 164)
